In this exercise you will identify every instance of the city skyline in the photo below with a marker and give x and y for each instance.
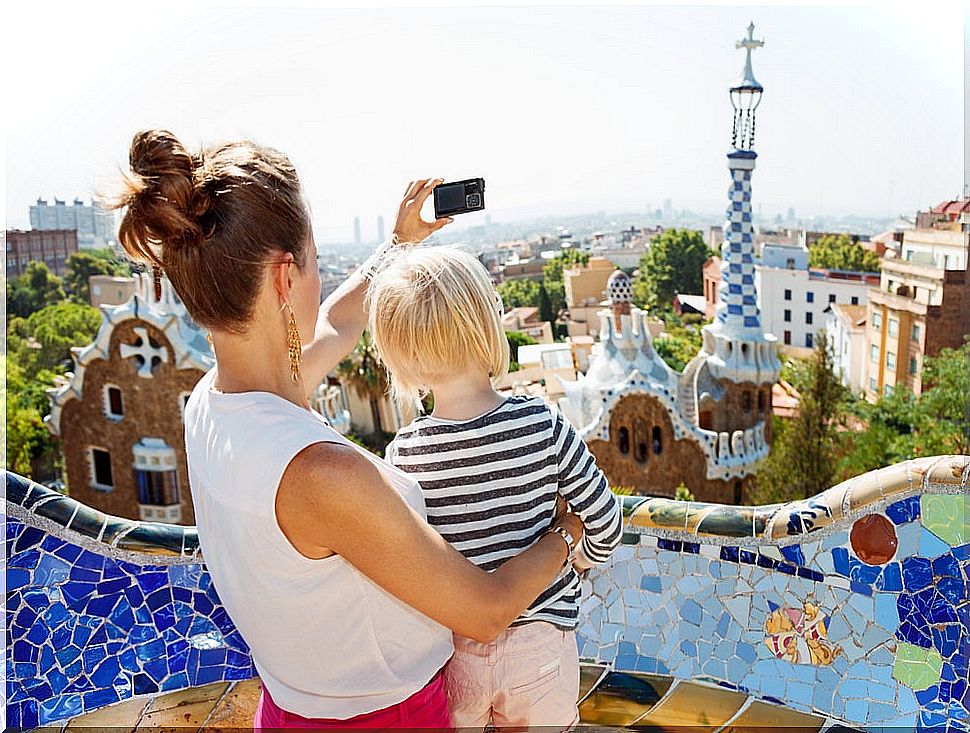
(620, 109)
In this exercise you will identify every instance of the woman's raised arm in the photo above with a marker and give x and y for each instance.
(342, 317)
(333, 500)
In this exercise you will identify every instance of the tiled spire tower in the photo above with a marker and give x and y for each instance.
(738, 348)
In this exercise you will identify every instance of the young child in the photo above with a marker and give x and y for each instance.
(491, 468)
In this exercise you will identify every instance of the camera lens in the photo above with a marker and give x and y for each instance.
(473, 200)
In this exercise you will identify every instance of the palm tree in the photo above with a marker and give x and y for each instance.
(363, 372)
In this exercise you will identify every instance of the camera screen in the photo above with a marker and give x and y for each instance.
(451, 197)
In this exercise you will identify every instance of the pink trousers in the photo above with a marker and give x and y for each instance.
(527, 678)
(426, 708)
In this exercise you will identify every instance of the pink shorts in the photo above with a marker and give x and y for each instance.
(527, 677)
(426, 708)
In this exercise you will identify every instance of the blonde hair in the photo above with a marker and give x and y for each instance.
(433, 311)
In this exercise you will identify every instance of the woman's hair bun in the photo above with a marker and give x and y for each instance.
(166, 203)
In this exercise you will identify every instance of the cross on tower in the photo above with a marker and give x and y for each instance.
(749, 44)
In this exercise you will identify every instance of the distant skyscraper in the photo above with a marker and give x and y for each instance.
(356, 230)
(380, 229)
(95, 227)
(668, 209)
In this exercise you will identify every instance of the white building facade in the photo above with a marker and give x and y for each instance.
(845, 326)
(95, 227)
(794, 299)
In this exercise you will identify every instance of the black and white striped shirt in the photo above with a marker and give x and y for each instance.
(490, 485)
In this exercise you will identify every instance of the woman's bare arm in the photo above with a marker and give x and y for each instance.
(333, 500)
(342, 316)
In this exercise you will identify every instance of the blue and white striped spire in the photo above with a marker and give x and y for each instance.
(739, 348)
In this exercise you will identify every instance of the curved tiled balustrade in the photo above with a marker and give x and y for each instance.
(851, 606)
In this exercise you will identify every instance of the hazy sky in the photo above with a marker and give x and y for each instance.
(560, 109)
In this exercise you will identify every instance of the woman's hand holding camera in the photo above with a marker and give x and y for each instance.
(410, 228)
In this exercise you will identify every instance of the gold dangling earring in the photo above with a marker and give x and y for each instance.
(294, 347)
(157, 278)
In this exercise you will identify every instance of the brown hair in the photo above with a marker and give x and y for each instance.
(212, 220)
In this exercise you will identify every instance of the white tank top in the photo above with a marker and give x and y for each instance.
(327, 642)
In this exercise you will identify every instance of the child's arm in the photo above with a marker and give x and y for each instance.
(587, 492)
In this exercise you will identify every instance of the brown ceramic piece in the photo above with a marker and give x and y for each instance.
(873, 539)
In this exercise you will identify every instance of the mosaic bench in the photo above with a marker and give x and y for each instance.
(849, 608)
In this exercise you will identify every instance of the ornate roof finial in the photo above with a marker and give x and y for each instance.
(745, 96)
(749, 44)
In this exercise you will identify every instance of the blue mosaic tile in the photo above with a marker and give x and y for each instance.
(887, 614)
(730, 553)
(59, 708)
(946, 639)
(904, 511)
(917, 573)
(68, 552)
(691, 612)
(176, 681)
(840, 556)
(862, 572)
(962, 552)
(106, 672)
(952, 589)
(930, 545)
(928, 696)
(672, 545)
(144, 685)
(100, 698)
(891, 578)
(810, 574)
(946, 566)
(17, 578)
(793, 553)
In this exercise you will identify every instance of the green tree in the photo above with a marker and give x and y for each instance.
(839, 252)
(946, 404)
(519, 293)
(27, 438)
(900, 426)
(679, 345)
(673, 264)
(364, 373)
(879, 434)
(545, 306)
(517, 339)
(44, 339)
(85, 263)
(552, 278)
(30, 292)
(802, 459)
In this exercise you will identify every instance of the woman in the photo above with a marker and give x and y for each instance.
(319, 551)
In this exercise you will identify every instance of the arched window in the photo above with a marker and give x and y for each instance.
(641, 448)
(657, 440)
(624, 438)
(746, 401)
(706, 420)
(114, 406)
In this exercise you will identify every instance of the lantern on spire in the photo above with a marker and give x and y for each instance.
(745, 96)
